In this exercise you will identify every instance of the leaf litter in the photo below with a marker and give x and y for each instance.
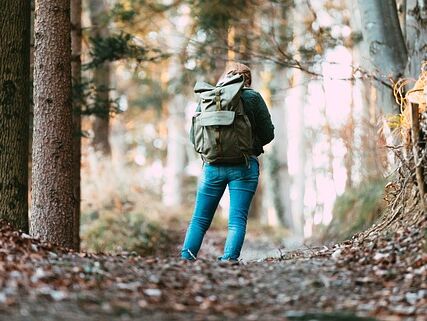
(383, 278)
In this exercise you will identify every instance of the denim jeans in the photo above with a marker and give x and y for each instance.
(242, 181)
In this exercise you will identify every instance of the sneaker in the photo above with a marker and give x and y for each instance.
(227, 262)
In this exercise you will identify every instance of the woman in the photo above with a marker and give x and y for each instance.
(242, 180)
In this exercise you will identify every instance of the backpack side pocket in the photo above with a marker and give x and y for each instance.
(198, 133)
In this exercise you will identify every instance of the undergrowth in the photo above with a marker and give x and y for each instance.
(130, 232)
(357, 209)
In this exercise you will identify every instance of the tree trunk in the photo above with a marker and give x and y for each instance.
(298, 94)
(220, 52)
(348, 139)
(416, 39)
(173, 185)
(14, 111)
(278, 186)
(176, 156)
(401, 12)
(76, 46)
(53, 202)
(101, 79)
(279, 166)
(405, 208)
(387, 51)
(366, 138)
(296, 100)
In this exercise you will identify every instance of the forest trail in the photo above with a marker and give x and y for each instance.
(383, 279)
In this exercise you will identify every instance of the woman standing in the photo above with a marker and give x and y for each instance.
(242, 179)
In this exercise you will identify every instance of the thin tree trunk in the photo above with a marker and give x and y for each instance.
(298, 96)
(220, 54)
(280, 179)
(176, 156)
(348, 138)
(299, 93)
(53, 201)
(177, 137)
(15, 29)
(76, 46)
(101, 78)
(278, 186)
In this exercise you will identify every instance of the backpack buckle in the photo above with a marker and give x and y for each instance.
(218, 99)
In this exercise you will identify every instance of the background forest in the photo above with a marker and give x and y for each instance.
(323, 176)
(331, 82)
(327, 76)
(98, 175)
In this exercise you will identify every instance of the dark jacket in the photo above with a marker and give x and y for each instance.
(259, 117)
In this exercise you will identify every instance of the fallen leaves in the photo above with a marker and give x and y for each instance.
(384, 277)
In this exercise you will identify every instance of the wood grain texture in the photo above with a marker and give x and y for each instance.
(53, 202)
(14, 111)
(76, 47)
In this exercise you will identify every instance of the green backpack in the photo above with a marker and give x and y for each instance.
(222, 131)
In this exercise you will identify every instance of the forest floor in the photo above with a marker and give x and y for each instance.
(383, 279)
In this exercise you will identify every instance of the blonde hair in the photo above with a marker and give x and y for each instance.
(238, 68)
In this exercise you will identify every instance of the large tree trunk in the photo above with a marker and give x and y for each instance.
(368, 154)
(53, 202)
(101, 79)
(14, 111)
(76, 46)
(386, 47)
(416, 36)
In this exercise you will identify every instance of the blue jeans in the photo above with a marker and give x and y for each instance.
(242, 181)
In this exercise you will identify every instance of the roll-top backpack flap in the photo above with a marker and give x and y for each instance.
(217, 118)
(228, 89)
(206, 93)
(202, 86)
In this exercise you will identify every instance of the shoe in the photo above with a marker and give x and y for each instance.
(227, 262)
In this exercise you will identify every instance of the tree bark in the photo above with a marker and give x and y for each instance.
(14, 111)
(76, 47)
(101, 79)
(53, 201)
(386, 46)
(416, 39)
(366, 151)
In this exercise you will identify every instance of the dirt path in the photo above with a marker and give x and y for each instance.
(41, 283)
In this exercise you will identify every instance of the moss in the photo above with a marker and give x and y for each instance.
(357, 209)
